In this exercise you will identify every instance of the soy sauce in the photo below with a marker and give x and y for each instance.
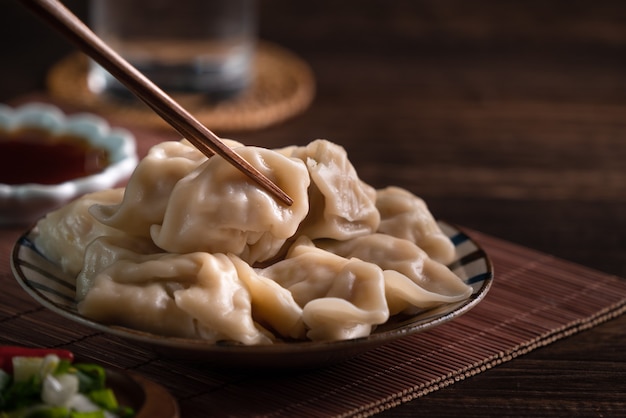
(35, 156)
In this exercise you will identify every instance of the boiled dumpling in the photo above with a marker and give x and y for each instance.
(148, 308)
(405, 215)
(404, 295)
(342, 206)
(341, 298)
(273, 306)
(406, 258)
(217, 209)
(104, 251)
(150, 186)
(196, 295)
(220, 301)
(64, 234)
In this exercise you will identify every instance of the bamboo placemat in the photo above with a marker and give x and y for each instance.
(535, 300)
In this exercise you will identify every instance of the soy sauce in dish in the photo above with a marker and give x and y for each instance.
(32, 155)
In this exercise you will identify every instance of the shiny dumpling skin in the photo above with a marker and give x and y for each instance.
(352, 308)
(221, 303)
(404, 295)
(407, 216)
(124, 304)
(196, 295)
(342, 206)
(64, 234)
(104, 251)
(341, 298)
(217, 209)
(149, 187)
(404, 257)
(273, 306)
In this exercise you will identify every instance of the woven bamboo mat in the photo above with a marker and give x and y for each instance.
(535, 300)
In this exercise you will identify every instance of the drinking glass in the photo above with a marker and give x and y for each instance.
(183, 46)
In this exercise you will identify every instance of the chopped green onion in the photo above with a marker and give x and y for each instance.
(58, 390)
(64, 366)
(90, 376)
(51, 386)
(105, 398)
(125, 412)
(24, 368)
(21, 394)
(37, 412)
(90, 414)
(5, 380)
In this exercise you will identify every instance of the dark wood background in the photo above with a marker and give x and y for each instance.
(508, 117)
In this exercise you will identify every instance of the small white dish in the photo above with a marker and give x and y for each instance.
(24, 203)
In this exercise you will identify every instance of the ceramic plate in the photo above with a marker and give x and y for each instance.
(45, 282)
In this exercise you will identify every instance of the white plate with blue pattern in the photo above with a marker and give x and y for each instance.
(53, 289)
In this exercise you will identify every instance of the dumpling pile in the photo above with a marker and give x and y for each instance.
(192, 248)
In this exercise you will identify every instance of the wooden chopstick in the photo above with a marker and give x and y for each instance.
(62, 19)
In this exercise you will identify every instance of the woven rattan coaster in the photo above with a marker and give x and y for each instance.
(283, 86)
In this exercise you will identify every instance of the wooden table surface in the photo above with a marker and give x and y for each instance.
(506, 117)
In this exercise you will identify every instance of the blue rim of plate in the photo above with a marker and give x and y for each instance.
(48, 285)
